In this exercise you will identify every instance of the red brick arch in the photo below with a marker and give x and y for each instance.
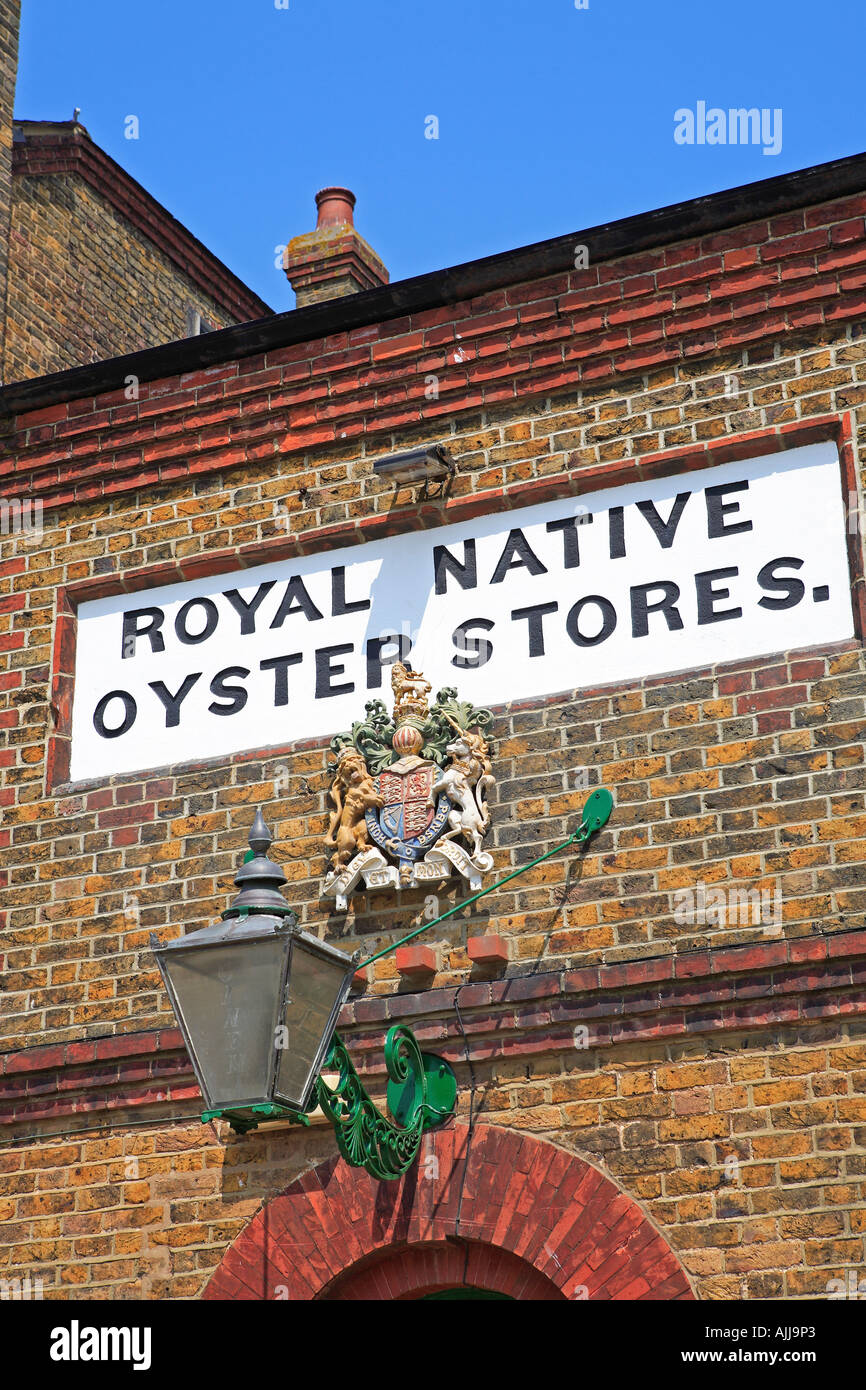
(534, 1222)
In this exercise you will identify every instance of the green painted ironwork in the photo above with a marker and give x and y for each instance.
(596, 813)
(422, 1091)
(243, 1121)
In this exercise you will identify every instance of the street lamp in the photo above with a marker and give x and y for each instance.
(256, 998)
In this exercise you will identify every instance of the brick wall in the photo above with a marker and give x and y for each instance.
(751, 774)
(744, 1151)
(97, 267)
(10, 16)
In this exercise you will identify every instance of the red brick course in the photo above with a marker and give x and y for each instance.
(675, 997)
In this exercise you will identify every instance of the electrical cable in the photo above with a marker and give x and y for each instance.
(472, 1090)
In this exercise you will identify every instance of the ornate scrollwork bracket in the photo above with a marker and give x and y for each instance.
(422, 1091)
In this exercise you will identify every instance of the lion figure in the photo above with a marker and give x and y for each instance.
(353, 793)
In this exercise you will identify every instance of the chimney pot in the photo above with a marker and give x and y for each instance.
(336, 207)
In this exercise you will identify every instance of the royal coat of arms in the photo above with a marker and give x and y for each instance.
(410, 793)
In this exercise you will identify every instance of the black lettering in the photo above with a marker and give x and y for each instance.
(534, 617)
(235, 694)
(402, 646)
(280, 667)
(129, 713)
(326, 670)
(172, 703)
(465, 571)
(709, 596)
(608, 621)
(517, 553)
(132, 630)
(339, 605)
(792, 588)
(295, 600)
(211, 616)
(717, 510)
(247, 611)
(616, 528)
(641, 607)
(474, 651)
(568, 526)
(664, 531)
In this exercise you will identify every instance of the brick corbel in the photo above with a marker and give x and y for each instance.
(799, 982)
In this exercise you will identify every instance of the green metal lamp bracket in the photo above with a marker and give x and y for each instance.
(596, 813)
(422, 1088)
(422, 1093)
(242, 1124)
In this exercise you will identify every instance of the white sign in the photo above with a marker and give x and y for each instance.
(712, 566)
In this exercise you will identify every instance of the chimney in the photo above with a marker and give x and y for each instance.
(334, 260)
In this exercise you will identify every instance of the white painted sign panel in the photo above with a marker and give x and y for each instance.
(712, 566)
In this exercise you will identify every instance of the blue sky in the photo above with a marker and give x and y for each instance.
(550, 118)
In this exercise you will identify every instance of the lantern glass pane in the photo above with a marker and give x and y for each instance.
(229, 999)
(315, 989)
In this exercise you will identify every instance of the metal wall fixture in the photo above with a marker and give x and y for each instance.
(257, 999)
(431, 464)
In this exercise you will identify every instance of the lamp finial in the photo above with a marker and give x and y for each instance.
(259, 879)
(260, 837)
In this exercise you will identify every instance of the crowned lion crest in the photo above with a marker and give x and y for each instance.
(409, 793)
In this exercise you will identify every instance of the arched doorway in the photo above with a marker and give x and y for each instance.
(504, 1214)
(454, 1269)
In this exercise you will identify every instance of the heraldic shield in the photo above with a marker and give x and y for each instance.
(408, 823)
(406, 790)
